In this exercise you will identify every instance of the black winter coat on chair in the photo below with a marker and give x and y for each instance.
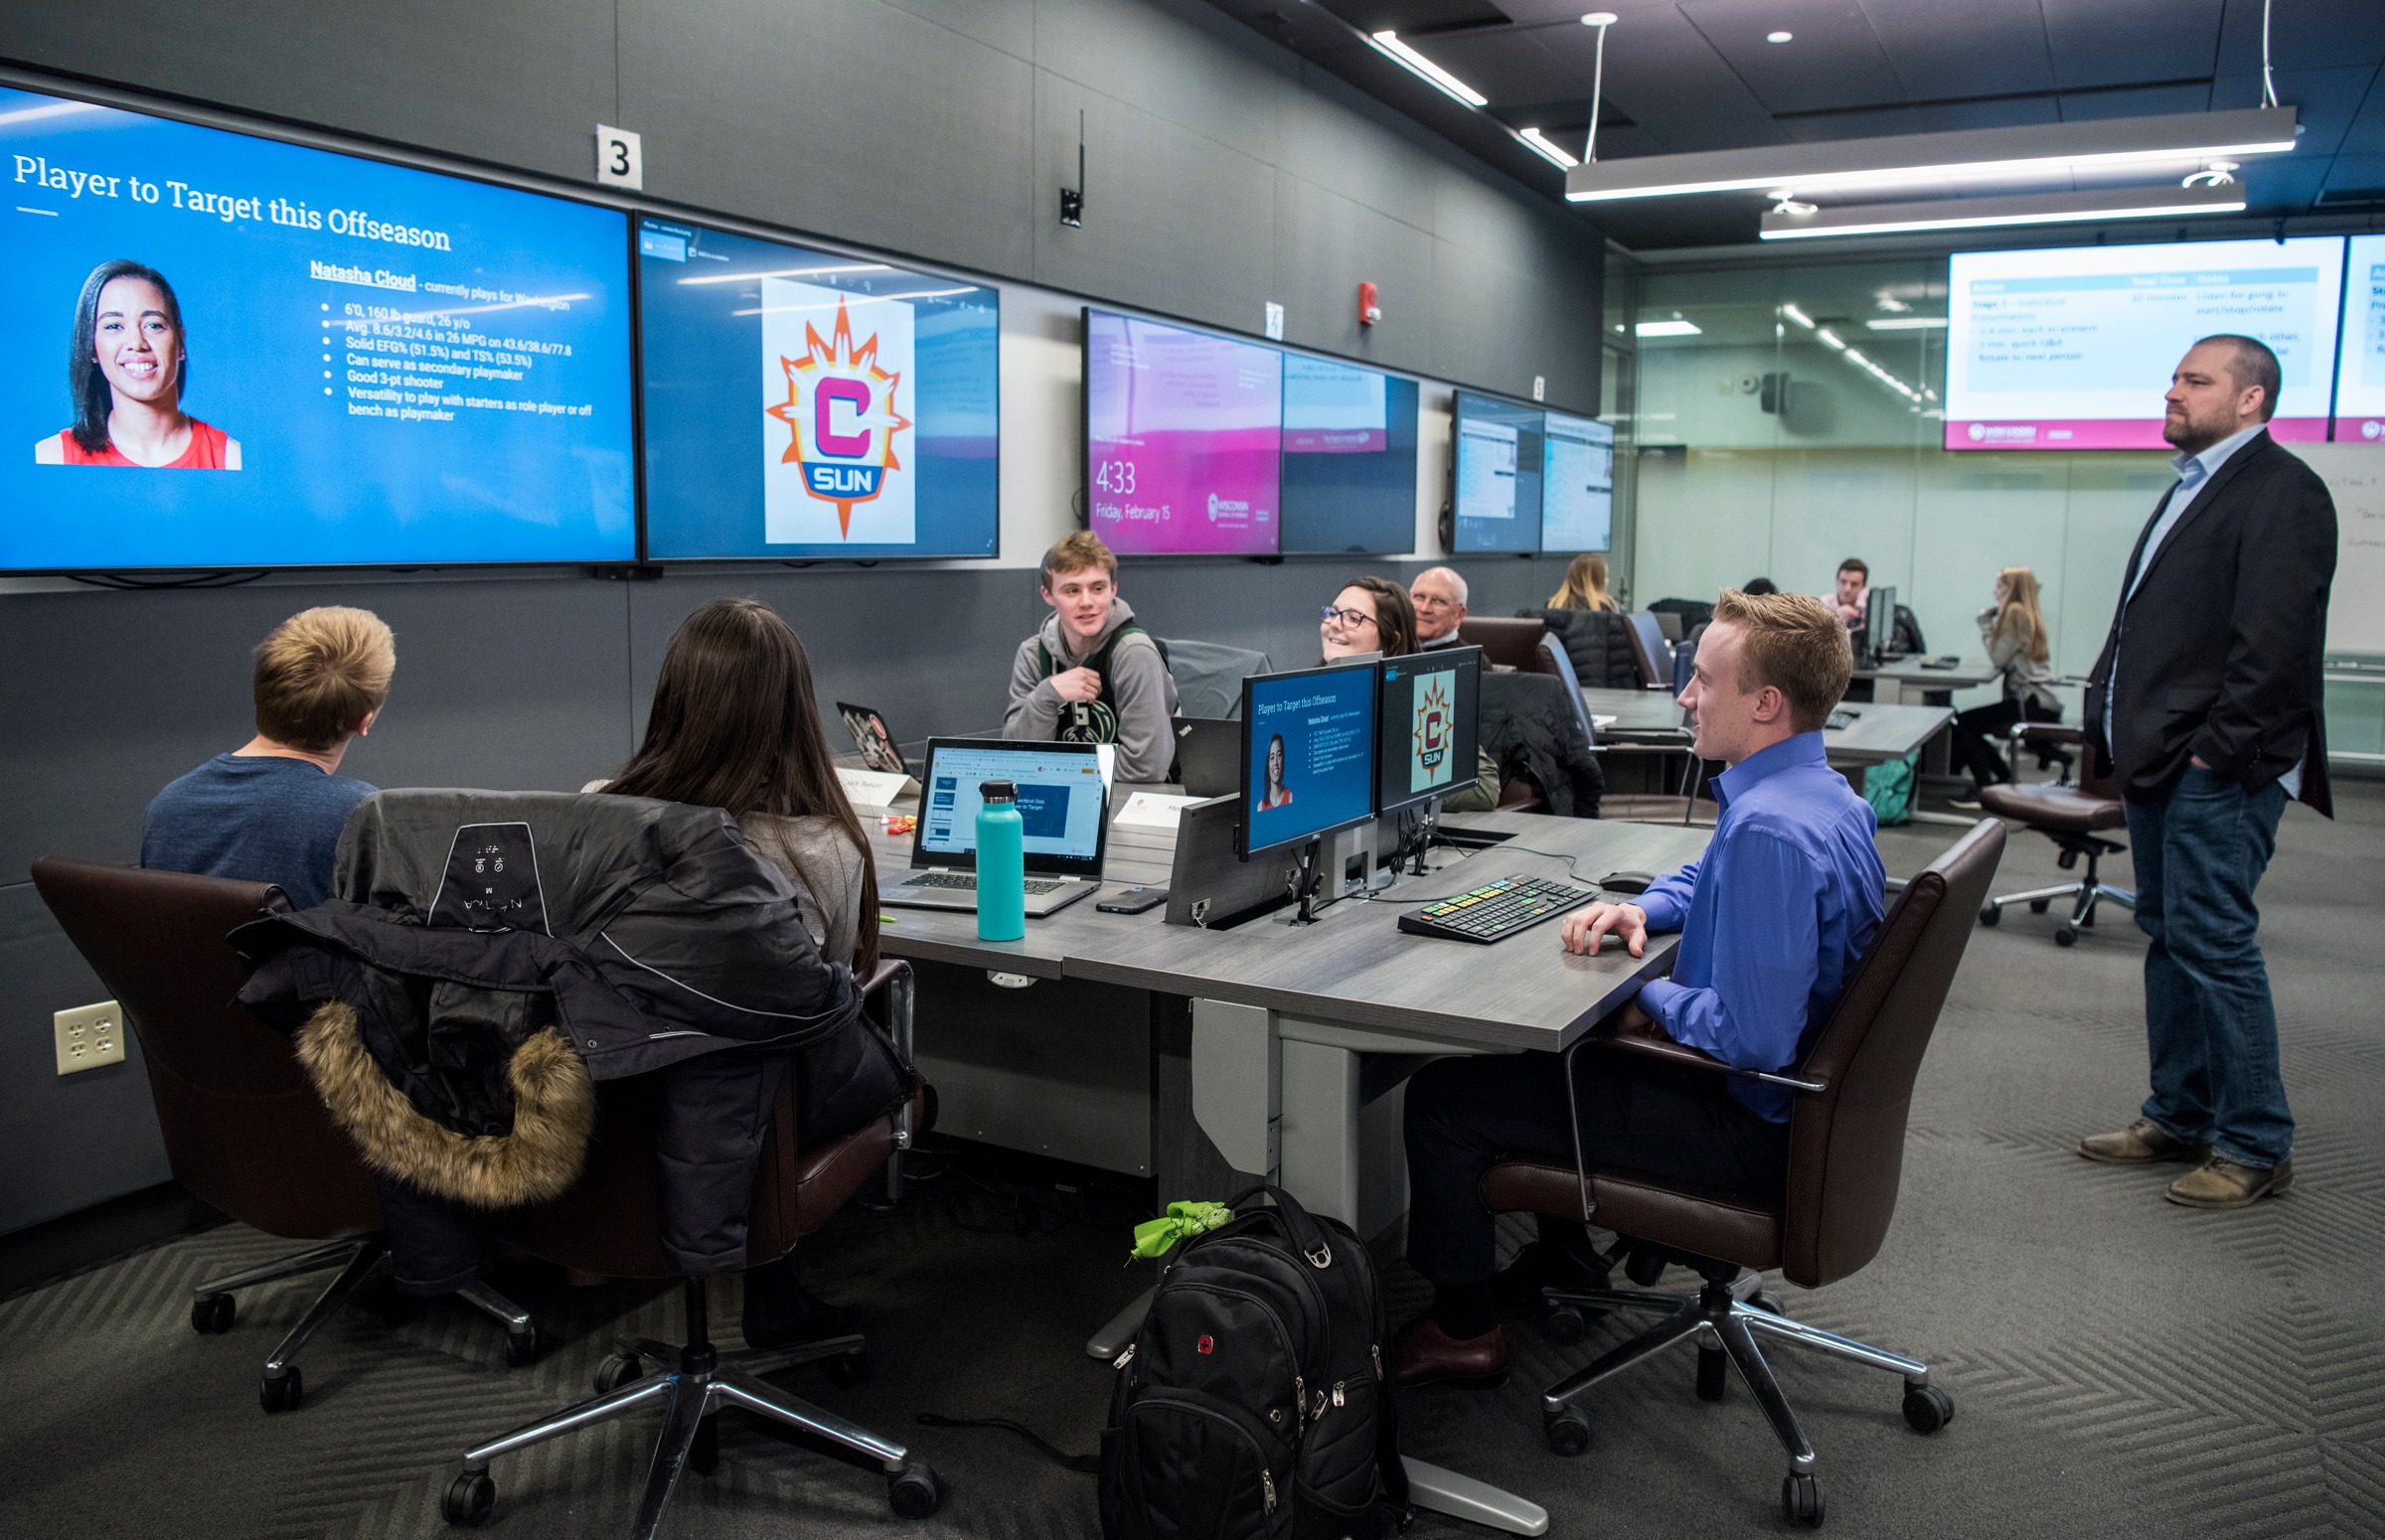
(1534, 731)
(488, 955)
(1599, 644)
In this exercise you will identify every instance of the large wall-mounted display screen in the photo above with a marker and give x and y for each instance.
(2072, 347)
(2360, 369)
(229, 352)
(1577, 485)
(1350, 458)
(1495, 464)
(806, 405)
(1183, 435)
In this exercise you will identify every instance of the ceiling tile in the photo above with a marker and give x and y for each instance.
(1417, 16)
(1832, 60)
(1980, 48)
(1936, 118)
(2121, 42)
(1662, 71)
(1504, 66)
(2304, 35)
(2366, 135)
(2140, 101)
(2328, 102)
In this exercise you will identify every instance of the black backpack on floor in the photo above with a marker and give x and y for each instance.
(1255, 1400)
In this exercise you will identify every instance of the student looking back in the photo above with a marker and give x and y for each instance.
(1091, 675)
(271, 809)
(1585, 586)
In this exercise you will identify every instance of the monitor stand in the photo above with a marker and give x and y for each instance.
(1428, 824)
(1308, 880)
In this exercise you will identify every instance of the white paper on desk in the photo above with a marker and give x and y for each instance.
(1153, 810)
(875, 791)
(1107, 754)
(1602, 719)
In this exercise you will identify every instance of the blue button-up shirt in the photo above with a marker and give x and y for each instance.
(1785, 899)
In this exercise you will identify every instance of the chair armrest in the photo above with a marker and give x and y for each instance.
(891, 982)
(2047, 732)
(1698, 1058)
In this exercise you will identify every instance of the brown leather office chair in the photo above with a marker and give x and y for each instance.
(1847, 1138)
(1510, 642)
(2075, 818)
(607, 1223)
(243, 1128)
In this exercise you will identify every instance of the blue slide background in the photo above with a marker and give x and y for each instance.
(1327, 720)
(703, 409)
(318, 487)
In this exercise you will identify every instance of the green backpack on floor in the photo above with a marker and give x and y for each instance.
(1888, 787)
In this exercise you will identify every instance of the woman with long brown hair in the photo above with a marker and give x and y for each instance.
(2013, 629)
(734, 725)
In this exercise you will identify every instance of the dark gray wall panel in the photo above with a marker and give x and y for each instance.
(1008, 25)
(858, 120)
(1184, 69)
(65, 1142)
(1330, 245)
(524, 83)
(1326, 143)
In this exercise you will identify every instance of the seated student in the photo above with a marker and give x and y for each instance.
(271, 809)
(1853, 600)
(1438, 596)
(1585, 586)
(1091, 675)
(1756, 587)
(1772, 917)
(2013, 629)
(734, 725)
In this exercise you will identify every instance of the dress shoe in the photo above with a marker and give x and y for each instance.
(2143, 1142)
(2222, 1183)
(1423, 1354)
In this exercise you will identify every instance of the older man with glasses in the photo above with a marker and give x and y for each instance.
(1439, 597)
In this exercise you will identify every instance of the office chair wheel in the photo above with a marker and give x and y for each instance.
(2066, 935)
(1567, 1433)
(281, 1393)
(521, 1347)
(1990, 914)
(469, 1500)
(704, 1454)
(619, 1370)
(2040, 905)
(1713, 1373)
(1565, 1325)
(1769, 1303)
(1801, 1500)
(847, 1370)
(1927, 1408)
(212, 1314)
(913, 1491)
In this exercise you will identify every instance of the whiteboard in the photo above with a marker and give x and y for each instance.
(2356, 474)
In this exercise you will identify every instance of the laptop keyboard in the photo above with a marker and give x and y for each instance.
(966, 882)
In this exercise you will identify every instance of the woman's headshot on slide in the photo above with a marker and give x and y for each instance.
(1275, 793)
(127, 368)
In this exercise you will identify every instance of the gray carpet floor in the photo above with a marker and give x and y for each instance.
(2121, 1366)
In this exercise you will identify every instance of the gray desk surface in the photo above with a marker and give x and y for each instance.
(1909, 671)
(1354, 967)
(1880, 731)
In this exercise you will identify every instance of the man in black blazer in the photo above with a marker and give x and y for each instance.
(2206, 707)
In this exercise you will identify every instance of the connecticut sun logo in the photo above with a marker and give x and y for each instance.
(1431, 730)
(840, 413)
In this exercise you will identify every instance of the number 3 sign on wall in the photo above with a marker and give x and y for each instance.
(618, 159)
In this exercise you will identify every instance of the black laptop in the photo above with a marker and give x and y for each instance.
(872, 736)
(1209, 756)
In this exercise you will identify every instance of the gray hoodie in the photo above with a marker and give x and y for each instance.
(1141, 695)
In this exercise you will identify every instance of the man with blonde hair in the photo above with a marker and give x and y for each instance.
(271, 809)
(1091, 675)
(1773, 917)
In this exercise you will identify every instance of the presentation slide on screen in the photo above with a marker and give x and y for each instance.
(1059, 801)
(1312, 754)
(1350, 458)
(1498, 471)
(1183, 432)
(2072, 349)
(2361, 377)
(1577, 485)
(801, 404)
(374, 365)
(1427, 728)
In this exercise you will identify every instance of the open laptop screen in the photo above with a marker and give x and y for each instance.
(1061, 803)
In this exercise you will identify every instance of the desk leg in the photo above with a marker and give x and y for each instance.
(1319, 1149)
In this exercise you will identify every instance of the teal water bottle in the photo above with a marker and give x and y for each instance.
(1001, 865)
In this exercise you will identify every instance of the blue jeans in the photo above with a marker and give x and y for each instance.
(2208, 1019)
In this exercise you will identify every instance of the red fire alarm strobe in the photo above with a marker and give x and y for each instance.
(1369, 311)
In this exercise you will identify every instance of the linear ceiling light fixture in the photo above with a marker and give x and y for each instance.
(2137, 203)
(1969, 154)
(1673, 328)
(1540, 146)
(1388, 45)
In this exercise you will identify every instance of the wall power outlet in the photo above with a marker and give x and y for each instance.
(90, 1036)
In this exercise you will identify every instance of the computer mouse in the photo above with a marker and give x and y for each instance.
(1626, 881)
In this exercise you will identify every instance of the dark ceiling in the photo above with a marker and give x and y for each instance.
(1699, 74)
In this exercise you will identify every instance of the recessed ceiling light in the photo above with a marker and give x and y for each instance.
(1668, 329)
(1778, 37)
(1388, 45)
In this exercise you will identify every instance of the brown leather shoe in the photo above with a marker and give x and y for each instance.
(2143, 1142)
(1423, 1354)
(2222, 1183)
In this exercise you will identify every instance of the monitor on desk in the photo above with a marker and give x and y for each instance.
(1308, 755)
(1427, 725)
(1879, 626)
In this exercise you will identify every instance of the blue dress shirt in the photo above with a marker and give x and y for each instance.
(1785, 899)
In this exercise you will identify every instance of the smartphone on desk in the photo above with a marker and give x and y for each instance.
(1132, 900)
